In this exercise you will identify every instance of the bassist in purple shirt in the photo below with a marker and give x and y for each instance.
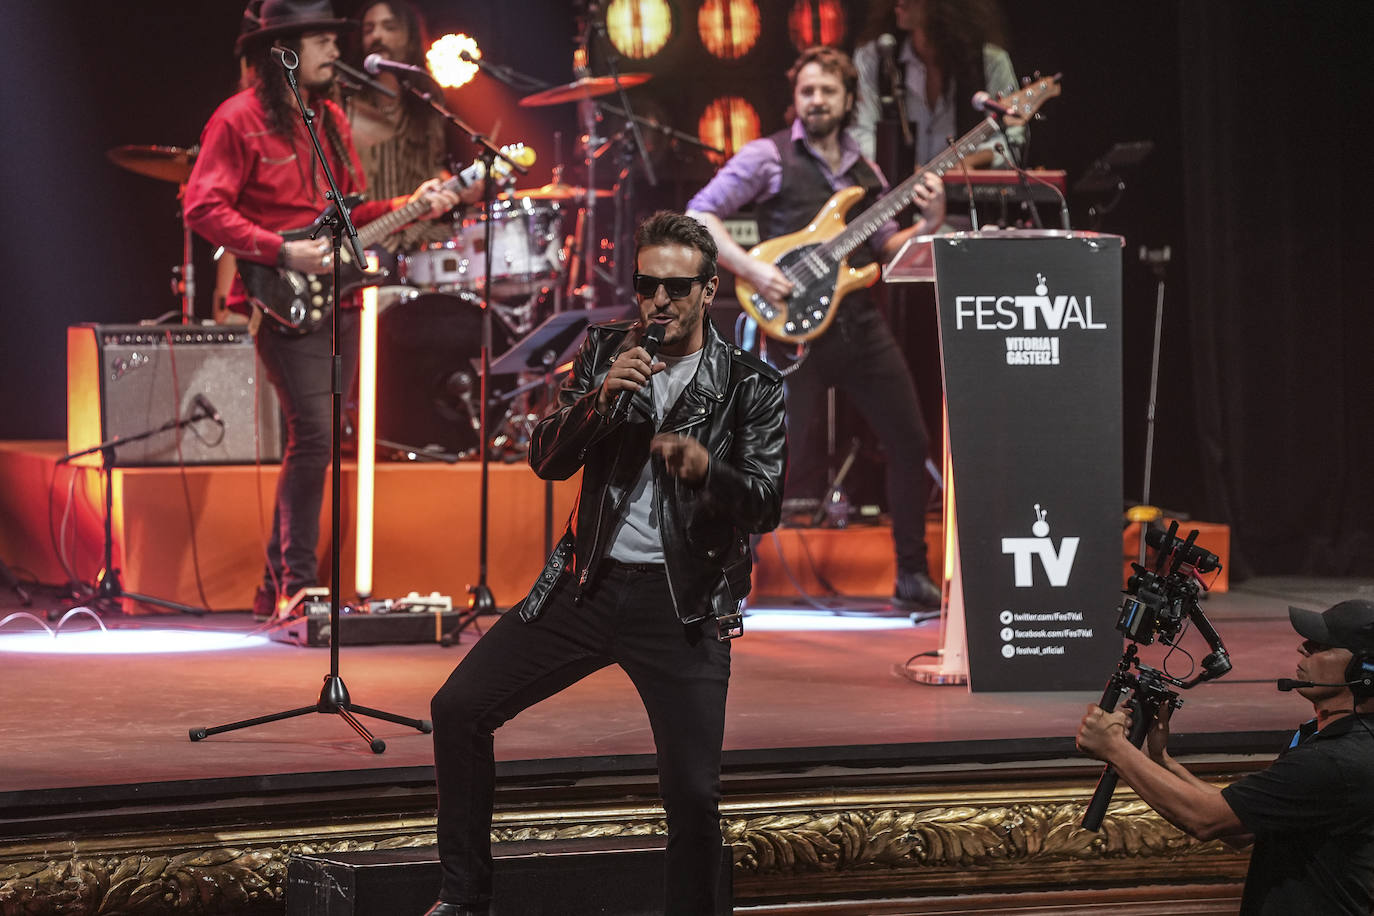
(789, 177)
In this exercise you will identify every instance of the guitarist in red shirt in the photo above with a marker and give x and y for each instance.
(789, 177)
(257, 176)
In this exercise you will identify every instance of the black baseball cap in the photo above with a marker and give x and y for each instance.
(1348, 625)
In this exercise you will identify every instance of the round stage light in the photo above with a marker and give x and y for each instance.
(639, 28)
(728, 122)
(729, 29)
(127, 642)
(445, 60)
(816, 22)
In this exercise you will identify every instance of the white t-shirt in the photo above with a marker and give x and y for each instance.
(636, 538)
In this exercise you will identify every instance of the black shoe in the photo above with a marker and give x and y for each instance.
(441, 908)
(917, 591)
(264, 605)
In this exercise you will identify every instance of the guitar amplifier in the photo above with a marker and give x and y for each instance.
(123, 380)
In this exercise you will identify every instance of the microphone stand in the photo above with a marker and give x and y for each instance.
(626, 183)
(480, 599)
(334, 696)
(1158, 259)
(968, 183)
(107, 585)
(613, 64)
(1020, 172)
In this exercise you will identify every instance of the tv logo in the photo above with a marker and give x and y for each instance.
(1057, 563)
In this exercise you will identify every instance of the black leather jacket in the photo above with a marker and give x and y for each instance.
(733, 406)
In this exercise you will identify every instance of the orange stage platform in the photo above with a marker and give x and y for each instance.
(212, 521)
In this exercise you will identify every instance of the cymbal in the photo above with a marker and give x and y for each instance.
(586, 88)
(559, 191)
(166, 163)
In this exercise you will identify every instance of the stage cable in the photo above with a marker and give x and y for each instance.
(54, 535)
(263, 538)
(181, 469)
(791, 577)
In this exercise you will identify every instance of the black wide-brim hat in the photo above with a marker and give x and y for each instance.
(265, 20)
(1348, 625)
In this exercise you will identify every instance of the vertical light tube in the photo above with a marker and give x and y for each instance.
(367, 434)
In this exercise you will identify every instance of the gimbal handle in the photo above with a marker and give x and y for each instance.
(1145, 705)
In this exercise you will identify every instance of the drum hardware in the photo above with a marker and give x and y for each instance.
(165, 163)
(583, 89)
(581, 254)
(560, 192)
(538, 358)
(428, 373)
(168, 163)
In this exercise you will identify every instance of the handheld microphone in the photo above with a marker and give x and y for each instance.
(652, 338)
(360, 77)
(376, 63)
(286, 57)
(984, 102)
(207, 410)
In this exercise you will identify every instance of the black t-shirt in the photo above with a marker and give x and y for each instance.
(1312, 814)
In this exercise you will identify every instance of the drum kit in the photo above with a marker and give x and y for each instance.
(544, 255)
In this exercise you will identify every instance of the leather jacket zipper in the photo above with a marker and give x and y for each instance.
(593, 554)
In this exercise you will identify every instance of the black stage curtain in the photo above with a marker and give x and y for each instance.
(1275, 103)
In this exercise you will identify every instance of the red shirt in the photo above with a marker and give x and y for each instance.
(249, 183)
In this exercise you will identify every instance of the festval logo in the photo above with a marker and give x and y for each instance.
(1057, 562)
(1024, 316)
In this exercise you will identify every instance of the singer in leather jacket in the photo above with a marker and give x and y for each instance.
(680, 440)
(704, 529)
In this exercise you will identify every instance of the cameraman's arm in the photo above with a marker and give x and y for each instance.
(1157, 746)
(1190, 804)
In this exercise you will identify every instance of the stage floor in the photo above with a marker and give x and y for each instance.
(806, 690)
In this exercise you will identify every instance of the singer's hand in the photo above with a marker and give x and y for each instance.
(630, 372)
(310, 256)
(930, 198)
(770, 283)
(1102, 732)
(440, 199)
(686, 458)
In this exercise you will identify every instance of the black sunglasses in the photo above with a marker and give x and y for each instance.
(676, 287)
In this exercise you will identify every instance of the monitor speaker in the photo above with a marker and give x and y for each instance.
(123, 380)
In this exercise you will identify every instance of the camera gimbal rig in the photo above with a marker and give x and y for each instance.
(1156, 606)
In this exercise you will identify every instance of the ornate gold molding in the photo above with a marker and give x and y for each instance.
(951, 836)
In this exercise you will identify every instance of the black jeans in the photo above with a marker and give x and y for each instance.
(681, 673)
(299, 368)
(859, 356)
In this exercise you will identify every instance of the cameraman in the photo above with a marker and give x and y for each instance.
(1311, 812)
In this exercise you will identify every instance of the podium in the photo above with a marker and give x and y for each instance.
(1030, 349)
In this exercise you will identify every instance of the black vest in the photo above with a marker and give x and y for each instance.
(804, 190)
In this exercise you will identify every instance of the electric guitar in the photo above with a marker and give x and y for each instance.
(299, 302)
(813, 259)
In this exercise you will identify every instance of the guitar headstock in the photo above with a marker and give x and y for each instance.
(1022, 104)
(518, 153)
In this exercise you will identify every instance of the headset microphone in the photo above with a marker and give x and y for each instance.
(1287, 683)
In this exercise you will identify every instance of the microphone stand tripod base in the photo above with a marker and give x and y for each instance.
(480, 600)
(935, 674)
